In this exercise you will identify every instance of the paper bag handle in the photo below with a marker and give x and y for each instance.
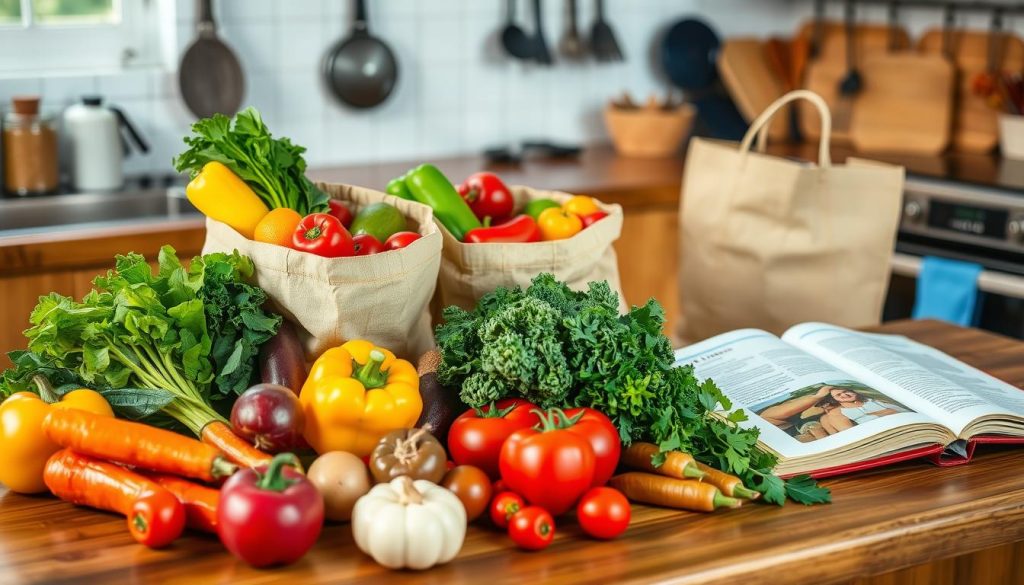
(759, 127)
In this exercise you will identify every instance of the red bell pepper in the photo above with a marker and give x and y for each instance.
(487, 196)
(322, 234)
(270, 516)
(522, 228)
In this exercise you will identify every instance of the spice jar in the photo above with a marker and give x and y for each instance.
(30, 149)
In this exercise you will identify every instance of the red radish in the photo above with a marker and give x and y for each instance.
(341, 211)
(367, 245)
(400, 240)
(270, 416)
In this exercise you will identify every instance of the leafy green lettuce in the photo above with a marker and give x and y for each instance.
(178, 338)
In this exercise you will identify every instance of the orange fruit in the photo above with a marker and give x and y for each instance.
(277, 227)
(581, 205)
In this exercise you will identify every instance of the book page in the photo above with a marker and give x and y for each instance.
(929, 380)
(793, 397)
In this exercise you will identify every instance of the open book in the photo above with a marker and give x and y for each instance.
(829, 400)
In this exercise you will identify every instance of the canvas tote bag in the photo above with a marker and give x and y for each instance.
(469, 271)
(768, 242)
(384, 298)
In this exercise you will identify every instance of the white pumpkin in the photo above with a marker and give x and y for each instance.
(409, 524)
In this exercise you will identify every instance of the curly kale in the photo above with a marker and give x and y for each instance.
(558, 347)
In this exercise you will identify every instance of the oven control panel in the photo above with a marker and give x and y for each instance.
(957, 213)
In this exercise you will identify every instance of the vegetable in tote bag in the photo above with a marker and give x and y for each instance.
(384, 298)
(469, 271)
(768, 242)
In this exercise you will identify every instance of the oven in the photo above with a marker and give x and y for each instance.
(976, 221)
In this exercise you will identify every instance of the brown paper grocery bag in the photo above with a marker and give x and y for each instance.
(768, 242)
(384, 298)
(469, 271)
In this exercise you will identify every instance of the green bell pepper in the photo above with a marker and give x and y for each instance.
(429, 186)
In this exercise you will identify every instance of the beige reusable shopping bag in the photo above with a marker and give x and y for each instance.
(768, 242)
(384, 298)
(469, 271)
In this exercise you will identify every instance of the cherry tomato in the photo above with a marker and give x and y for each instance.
(603, 512)
(532, 528)
(471, 486)
(399, 240)
(341, 211)
(156, 519)
(592, 218)
(366, 245)
(503, 506)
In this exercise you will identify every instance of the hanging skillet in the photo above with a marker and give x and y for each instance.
(210, 77)
(360, 70)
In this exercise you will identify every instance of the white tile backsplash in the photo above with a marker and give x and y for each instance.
(457, 91)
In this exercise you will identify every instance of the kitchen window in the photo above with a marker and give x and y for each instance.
(38, 36)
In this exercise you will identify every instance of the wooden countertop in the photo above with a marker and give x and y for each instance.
(880, 520)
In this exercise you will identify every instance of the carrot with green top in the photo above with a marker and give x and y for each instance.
(135, 444)
(685, 494)
(728, 483)
(677, 464)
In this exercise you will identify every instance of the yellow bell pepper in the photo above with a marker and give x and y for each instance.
(357, 393)
(221, 195)
(24, 448)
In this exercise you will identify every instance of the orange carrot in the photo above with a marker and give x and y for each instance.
(686, 494)
(155, 517)
(677, 464)
(221, 436)
(200, 501)
(135, 444)
(728, 483)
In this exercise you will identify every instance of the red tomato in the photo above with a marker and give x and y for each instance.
(487, 196)
(341, 211)
(157, 518)
(322, 234)
(504, 506)
(366, 245)
(532, 528)
(551, 467)
(603, 512)
(476, 436)
(603, 437)
(399, 240)
(592, 218)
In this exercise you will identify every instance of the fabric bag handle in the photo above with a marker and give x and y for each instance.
(759, 127)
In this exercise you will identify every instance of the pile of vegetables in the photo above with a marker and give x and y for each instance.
(255, 183)
(561, 348)
(481, 209)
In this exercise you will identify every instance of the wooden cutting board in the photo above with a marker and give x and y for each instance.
(823, 73)
(751, 79)
(906, 105)
(975, 123)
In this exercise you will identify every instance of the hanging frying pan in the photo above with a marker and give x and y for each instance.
(360, 70)
(210, 77)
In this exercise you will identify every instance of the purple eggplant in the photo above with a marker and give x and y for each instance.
(282, 359)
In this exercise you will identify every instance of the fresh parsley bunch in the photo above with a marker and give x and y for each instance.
(558, 347)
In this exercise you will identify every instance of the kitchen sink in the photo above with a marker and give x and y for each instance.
(93, 210)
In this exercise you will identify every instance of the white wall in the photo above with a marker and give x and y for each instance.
(457, 92)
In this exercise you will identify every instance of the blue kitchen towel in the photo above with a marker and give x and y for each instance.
(948, 290)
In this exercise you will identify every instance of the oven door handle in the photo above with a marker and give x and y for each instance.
(1000, 283)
